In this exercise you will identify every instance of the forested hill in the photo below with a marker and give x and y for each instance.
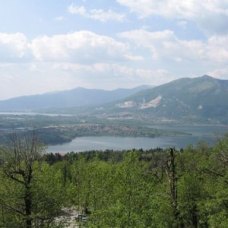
(77, 97)
(203, 98)
(155, 188)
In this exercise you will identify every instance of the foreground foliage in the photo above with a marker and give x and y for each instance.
(155, 188)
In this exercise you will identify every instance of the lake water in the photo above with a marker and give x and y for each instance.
(209, 134)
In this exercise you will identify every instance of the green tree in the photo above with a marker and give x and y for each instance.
(23, 192)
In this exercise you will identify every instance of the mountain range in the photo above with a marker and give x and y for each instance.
(189, 99)
(78, 97)
(197, 99)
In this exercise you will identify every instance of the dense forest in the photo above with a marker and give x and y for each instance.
(154, 188)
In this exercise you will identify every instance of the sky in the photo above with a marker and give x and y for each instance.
(52, 45)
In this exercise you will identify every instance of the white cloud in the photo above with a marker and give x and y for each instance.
(176, 8)
(81, 47)
(211, 15)
(13, 47)
(96, 14)
(165, 45)
(149, 40)
(85, 47)
(77, 10)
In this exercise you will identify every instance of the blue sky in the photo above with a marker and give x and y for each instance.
(62, 44)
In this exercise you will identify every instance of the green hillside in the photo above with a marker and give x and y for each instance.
(194, 99)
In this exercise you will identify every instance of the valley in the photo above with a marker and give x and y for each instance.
(183, 112)
(61, 128)
(65, 133)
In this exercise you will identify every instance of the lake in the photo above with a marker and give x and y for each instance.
(209, 134)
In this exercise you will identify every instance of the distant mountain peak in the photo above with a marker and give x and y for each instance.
(201, 99)
(77, 97)
(206, 76)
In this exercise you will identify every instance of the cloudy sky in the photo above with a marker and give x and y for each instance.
(49, 45)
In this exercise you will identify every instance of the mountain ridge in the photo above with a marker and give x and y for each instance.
(65, 99)
(200, 99)
(203, 98)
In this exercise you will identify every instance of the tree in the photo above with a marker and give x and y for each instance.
(172, 178)
(19, 159)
